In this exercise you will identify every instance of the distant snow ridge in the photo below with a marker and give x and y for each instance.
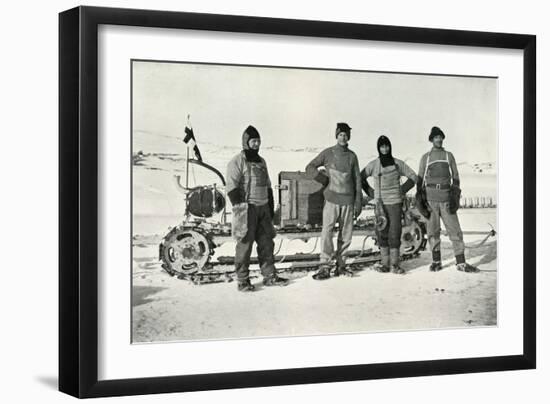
(157, 161)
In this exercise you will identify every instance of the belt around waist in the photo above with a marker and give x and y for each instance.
(439, 186)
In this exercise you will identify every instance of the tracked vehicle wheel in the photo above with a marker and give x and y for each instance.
(413, 238)
(185, 251)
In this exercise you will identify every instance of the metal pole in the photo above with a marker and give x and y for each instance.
(187, 170)
(187, 158)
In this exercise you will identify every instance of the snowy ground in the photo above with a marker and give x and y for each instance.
(167, 309)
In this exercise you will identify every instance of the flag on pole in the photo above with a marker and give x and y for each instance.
(190, 141)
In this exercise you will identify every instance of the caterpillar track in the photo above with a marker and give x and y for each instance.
(187, 251)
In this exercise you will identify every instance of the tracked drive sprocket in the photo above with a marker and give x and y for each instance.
(185, 250)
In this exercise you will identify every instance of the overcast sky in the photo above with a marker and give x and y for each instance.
(298, 108)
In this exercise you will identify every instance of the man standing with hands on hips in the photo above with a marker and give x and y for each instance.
(342, 180)
(439, 186)
(390, 194)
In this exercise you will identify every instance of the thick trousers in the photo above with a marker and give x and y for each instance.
(440, 210)
(261, 231)
(343, 215)
(390, 236)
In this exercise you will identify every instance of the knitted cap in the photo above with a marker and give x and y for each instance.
(436, 132)
(343, 127)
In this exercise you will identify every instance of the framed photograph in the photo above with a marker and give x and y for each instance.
(250, 201)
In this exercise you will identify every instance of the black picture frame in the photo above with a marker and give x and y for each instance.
(78, 201)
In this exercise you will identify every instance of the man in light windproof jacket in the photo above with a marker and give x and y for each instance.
(249, 190)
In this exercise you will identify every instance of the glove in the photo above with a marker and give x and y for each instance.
(321, 179)
(419, 186)
(407, 186)
(454, 199)
(365, 185)
(270, 202)
(368, 189)
(236, 196)
(422, 204)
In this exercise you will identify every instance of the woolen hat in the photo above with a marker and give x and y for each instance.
(435, 132)
(343, 127)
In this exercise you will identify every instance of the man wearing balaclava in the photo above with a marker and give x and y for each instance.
(342, 181)
(387, 172)
(439, 182)
(249, 190)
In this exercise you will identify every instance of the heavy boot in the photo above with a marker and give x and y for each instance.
(384, 264)
(322, 274)
(275, 280)
(463, 266)
(394, 261)
(342, 270)
(436, 261)
(245, 286)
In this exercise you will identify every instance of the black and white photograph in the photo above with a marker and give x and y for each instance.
(281, 201)
(244, 202)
